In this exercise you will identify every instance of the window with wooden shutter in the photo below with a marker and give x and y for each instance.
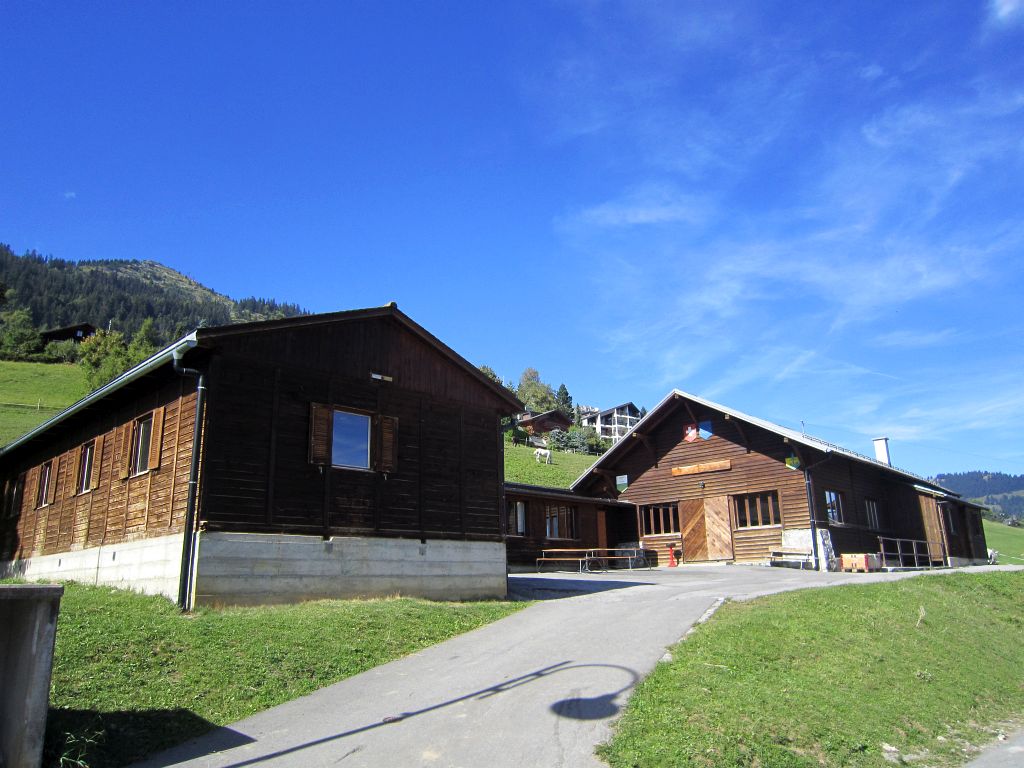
(156, 439)
(97, 460)
(320, 433)
(44, 481)
(387, 456)
(125, 456)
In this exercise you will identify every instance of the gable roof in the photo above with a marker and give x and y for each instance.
(663, 408)
(200, 336)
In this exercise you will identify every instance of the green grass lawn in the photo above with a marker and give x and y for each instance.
(30, 393)
(827, 677)
(522, 467)
(131, 675)
(1007, 541)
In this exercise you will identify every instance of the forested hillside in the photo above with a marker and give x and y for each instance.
(1002, 492)
(121, 295)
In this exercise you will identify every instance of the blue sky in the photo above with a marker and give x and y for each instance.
(807, 212)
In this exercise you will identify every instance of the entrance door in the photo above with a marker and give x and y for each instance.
(694, 532)
(706, 530)
(719, 528)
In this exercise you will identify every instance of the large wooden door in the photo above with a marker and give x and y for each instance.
(694, 531)
(719, 527)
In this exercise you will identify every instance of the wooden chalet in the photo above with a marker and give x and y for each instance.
(541, 423)
(719, 485)
(342, 454)
(77, 333)
(539, 518)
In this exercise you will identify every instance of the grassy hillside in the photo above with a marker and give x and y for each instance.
(30, 393)
(1007, 541)
(132, 675)
(521, 467)
(914, 672)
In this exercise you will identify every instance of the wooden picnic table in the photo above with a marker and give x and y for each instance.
(593, 559)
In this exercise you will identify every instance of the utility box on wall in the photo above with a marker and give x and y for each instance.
(28, 629)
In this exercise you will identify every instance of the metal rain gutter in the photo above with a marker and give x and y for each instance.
(161, 358)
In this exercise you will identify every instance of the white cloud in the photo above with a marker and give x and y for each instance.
(70, 195)
(649, 204)
(1005, 12)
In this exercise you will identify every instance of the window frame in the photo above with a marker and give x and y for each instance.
(951, 528)
(138, 464)
(335, 410)
(43, 482)
(666, 514)
(751, 502)
(873, 513)
(515, 517)
(563, 515)
(834, 505)
(86, 458)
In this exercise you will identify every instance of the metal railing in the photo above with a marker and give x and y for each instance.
(910, 553)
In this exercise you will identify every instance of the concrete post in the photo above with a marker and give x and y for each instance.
(28, 628)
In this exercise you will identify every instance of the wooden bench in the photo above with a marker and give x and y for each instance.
(638, 554)
(583, 562)
(787, 556)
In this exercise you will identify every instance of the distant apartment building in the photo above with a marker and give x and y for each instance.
(612, 423)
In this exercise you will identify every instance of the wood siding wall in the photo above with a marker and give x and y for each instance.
(448, 476)
(118, 508)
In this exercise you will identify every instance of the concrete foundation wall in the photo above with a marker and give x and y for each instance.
(152, 566)
(961, 562)
(255, 569)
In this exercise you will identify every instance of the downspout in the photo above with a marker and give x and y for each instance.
(188, 539)
(811, 510)
(808, 487)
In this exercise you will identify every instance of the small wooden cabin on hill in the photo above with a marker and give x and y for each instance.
(718, 484)
(342, 454)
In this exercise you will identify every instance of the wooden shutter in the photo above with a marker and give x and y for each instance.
(320, 433)
(387, 455)
(125, 458)
(78, 470)
(97, 459)
(156, 437)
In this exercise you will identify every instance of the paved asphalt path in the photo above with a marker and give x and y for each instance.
(539, 688)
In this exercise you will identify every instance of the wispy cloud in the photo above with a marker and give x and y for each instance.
(70, 195)
(905, 338)
(649, 204)
(1006, 12)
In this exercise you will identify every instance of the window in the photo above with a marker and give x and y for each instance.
(834, 506)
(659, 518)
(86, 456)
(516, 523)
(559, 521)
(871, 513)
(44, 488)
(12, 497)
(350, 440)
(755, 510)
(142, 439)
(950, 519)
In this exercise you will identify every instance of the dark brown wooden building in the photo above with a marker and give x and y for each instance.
(538, 518)
(720, 485)
(350, 453)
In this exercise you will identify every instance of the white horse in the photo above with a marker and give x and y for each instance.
(542, 453)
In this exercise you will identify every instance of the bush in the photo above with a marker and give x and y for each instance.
(66, 351)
